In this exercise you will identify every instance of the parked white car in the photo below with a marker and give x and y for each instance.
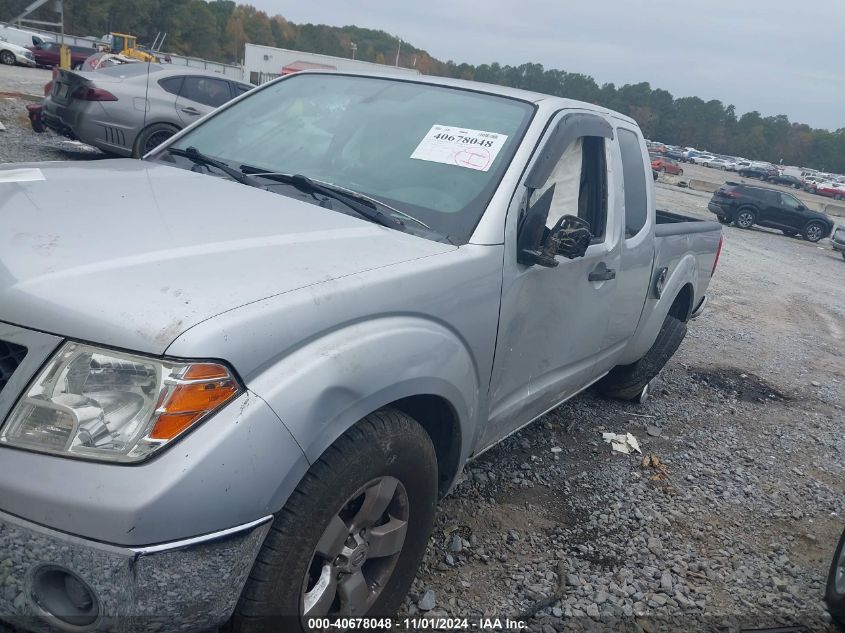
(717, 163)
(11, 54)
(702, 159)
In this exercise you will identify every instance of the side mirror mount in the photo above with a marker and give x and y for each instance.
(570, 237)
(532, 232)
(538, 245)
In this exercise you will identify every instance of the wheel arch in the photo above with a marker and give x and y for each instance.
(682, 306)
(440, 420)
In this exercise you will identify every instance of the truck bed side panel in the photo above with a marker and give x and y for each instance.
(687, 249)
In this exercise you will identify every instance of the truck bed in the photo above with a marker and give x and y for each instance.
(669, 223)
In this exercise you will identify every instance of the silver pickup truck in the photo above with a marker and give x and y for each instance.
(236, 376)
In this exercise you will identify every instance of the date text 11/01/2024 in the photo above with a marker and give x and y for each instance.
(417, 624)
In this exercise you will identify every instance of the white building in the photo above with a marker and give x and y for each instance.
(263, 63)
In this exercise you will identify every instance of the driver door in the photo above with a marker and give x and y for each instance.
(554, 320)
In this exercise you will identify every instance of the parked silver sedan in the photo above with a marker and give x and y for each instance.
(130, 109)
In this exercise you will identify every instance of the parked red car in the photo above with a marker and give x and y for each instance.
(831, 190)
(666, 165)
(47, 54)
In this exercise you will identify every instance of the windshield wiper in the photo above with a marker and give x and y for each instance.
(193, 154)
(358, 202)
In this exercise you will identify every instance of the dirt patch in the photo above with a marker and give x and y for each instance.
(739, 384)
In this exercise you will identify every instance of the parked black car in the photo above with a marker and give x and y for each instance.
(675, 154)
(747, 205)
(758, 172)
(834, 594)
(783, 179)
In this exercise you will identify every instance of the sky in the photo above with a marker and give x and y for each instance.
(773, 56)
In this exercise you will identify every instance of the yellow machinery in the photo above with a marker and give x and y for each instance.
(125, 44)
(64, 57)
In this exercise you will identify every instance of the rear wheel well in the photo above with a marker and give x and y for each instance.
(137, 150)
(437, 416)
(682, 306)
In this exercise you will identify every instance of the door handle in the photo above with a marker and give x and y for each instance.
(190, 110)
(602, 273)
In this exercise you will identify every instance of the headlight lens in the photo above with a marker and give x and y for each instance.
(106, 405)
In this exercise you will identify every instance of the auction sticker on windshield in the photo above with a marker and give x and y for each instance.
(473, 149)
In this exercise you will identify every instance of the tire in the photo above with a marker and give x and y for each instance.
(814, 231)
(790, 232)
(837, 196)
(745, 218)
(662, 170)
(835, 596)
(627, 382)
(386, 446)
(7, 57)
(152, 136)
(680, 172)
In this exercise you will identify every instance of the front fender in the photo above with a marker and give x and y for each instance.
(329, 383)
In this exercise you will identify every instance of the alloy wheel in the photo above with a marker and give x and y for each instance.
(814, 233)
(155, 139)
(356, 554)
(7, 58)
(744, 220)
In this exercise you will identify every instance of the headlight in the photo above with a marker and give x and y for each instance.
(106, 405)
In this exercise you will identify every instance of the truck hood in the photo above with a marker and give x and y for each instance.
(131, 253)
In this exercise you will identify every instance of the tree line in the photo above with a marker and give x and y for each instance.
(218, 29)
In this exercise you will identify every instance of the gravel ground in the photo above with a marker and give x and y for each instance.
(735, 522)
(18, 143)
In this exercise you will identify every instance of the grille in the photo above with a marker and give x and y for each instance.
(11, 356)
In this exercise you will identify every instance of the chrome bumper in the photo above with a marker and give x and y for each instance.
(188, 585)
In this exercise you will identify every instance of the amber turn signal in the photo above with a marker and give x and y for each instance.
(201, 390)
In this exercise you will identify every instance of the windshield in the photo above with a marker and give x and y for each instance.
(433, 152)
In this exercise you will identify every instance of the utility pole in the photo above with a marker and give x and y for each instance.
(354, 48)
(396, 63)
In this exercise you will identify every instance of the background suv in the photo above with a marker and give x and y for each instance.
(747, 205)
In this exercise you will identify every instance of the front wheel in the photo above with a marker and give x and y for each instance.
(814, 231)
(351, 537)
(630, 382)
(834, 594)
(7, 57)
(680, 172)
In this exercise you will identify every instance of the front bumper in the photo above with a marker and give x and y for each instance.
(188, 585)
